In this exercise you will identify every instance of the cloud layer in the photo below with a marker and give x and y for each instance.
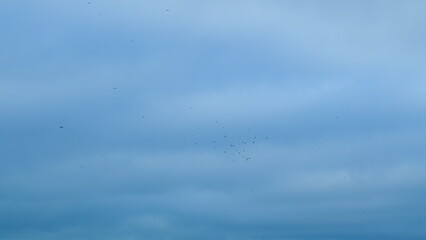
(212, 120)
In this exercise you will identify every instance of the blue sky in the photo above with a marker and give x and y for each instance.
(208, 119)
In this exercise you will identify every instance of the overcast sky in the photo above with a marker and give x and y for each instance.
(216, 119)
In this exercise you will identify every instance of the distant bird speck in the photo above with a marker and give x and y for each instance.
(61, 126)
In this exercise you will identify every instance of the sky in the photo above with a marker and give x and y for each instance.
(185, 120)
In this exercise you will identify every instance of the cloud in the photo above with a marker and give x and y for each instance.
(212, 120)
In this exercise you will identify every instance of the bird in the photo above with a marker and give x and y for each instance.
(61, 126)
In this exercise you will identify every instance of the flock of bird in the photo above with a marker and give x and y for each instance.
(237, 148)
(233, 148)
